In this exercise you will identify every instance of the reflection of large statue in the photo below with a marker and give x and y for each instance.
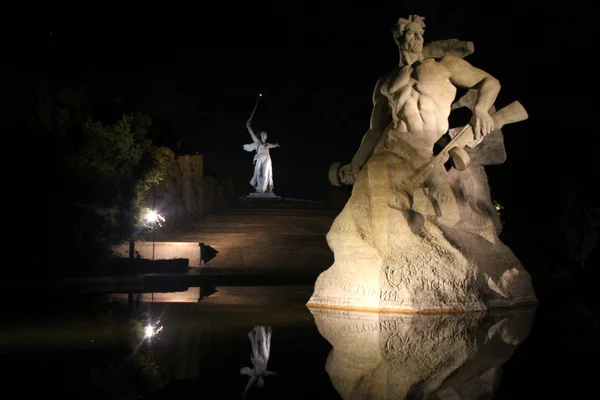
(262, 180)
(415, 235)
(393, 356)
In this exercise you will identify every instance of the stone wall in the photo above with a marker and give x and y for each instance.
(186, 194)
(163, 251)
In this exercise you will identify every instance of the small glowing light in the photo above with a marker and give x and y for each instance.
(498, 206)
(260, 95)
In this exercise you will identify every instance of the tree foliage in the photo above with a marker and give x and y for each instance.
(94, 168)
(578, 235)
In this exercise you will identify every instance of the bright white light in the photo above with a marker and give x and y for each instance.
(149, 331)
(153, 217)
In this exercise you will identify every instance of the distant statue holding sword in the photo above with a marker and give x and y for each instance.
(262, 180)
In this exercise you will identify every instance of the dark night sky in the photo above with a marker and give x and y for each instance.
(316, 63)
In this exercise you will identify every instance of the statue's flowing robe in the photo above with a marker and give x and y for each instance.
(262, 180)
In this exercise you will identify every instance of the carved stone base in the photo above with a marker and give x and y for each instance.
(427, 276)
(393, 288)
(419, 251)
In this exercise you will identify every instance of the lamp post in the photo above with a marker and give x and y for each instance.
(154, 218)
(153, 238)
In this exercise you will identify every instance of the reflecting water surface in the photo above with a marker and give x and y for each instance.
(220, 347)
(392, 356)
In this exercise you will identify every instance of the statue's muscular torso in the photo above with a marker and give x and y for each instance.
(411, 106)
(419, 97)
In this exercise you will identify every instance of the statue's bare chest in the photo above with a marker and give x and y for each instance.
(423, 77)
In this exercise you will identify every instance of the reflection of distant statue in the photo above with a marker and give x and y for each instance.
(262, 180)
(260, 339)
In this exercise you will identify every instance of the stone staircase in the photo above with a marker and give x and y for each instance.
(264, 233)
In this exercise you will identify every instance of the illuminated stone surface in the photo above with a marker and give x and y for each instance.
(410, 246)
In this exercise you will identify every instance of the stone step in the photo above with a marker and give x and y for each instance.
(275, 211)
(280, 203)
(282, 226)
(274, 233)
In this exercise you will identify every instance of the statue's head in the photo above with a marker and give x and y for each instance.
(408, 33)
(263, 136)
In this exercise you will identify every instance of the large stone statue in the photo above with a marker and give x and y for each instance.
(262, 180)
(417, 235)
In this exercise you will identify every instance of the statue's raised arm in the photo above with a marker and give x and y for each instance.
(252, 134)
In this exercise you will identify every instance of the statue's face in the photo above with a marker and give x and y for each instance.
(412, 40)
(263, 136)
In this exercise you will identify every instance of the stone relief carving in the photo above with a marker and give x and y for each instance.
(409, 266)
